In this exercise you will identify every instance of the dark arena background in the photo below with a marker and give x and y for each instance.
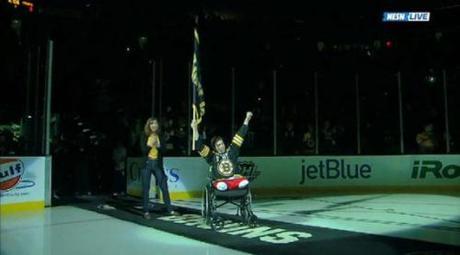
(339, 121)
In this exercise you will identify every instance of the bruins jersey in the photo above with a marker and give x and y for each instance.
(223, 165)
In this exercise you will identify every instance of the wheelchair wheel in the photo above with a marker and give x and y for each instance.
(206, 208)
(252, 221)
(204, 203)
(244, 214)
(217, 223)
(247, 216)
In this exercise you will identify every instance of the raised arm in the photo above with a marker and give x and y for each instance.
(238, 139)
(202, 149)
(248, 118)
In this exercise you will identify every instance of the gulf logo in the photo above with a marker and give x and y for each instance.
(11, 171)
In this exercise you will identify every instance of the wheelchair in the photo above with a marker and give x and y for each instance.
(241, 198)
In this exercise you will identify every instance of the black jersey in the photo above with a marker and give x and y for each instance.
(223, 165)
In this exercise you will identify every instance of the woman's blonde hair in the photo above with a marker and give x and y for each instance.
(147, 130)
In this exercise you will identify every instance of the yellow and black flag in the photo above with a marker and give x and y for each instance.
(198, 94)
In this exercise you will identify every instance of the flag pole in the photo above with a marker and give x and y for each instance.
(193, 120)
(197, 90)
(189, 103)
(193, 85)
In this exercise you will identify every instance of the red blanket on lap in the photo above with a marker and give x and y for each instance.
(232, 183)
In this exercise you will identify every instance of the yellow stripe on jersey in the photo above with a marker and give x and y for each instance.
(237, 140)
(237, 144)
(204, 152)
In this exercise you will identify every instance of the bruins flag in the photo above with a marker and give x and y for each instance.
(198, 94)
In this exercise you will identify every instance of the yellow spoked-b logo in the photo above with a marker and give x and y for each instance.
(225, 168)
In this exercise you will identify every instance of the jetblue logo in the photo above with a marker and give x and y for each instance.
(334, 169)
(406, 16)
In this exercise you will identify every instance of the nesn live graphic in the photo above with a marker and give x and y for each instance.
(11, 175)
(406, 16)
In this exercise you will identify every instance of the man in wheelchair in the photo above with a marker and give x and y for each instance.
(225, 178)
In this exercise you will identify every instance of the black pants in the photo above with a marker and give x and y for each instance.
(152, 166)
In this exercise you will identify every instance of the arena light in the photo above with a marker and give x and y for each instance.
(406, 17)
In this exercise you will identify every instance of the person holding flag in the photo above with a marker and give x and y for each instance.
(223, 160)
